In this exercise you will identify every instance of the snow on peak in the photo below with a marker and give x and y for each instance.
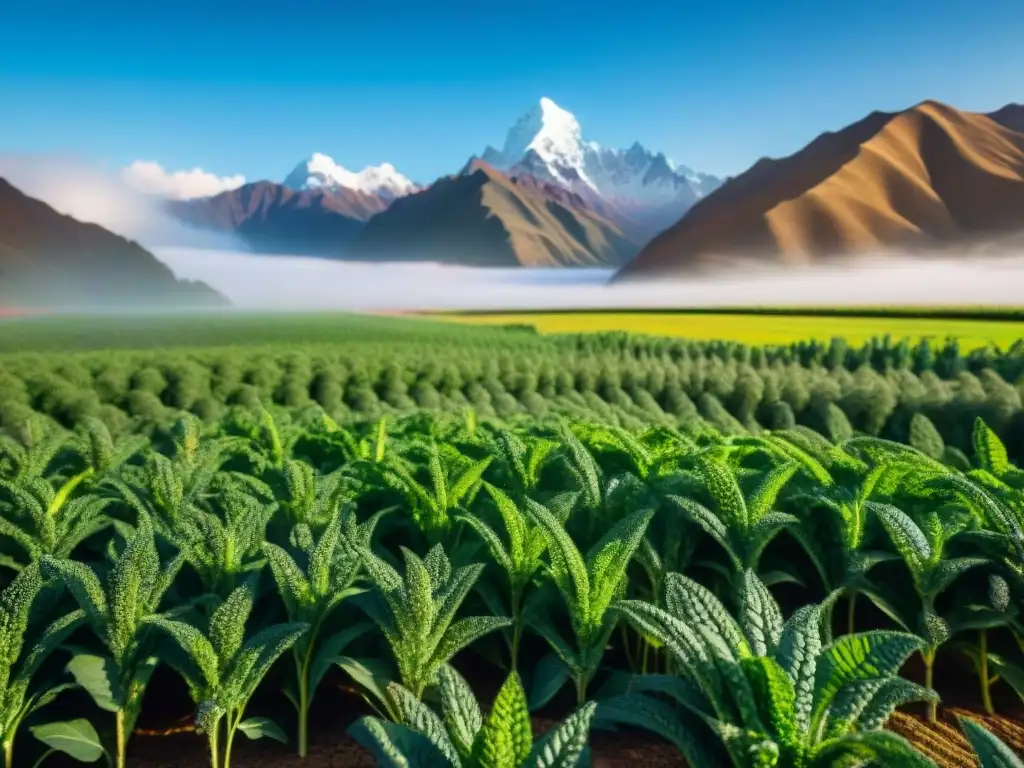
(321, 172)
(547, 143)
(553, 135)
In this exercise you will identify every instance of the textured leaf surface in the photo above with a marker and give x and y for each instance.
(507, 736)
(988, 748)
(760, 615)
(562, 746)
(462, 716)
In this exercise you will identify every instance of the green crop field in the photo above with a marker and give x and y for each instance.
(330, 540)
(764, 328)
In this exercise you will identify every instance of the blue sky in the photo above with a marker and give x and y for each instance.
(251, 88)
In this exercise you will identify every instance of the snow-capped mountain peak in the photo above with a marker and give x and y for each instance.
(321, 172)
(547, 143)
(550, 131)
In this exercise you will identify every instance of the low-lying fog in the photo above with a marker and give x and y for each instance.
(98, 194)
(295, 283)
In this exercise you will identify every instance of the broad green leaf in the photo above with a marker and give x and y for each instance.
(98, 677)
(195, 645)
(262, 727)
(723, 487)
(610, 557)
(515, 524)
(464, 632)
(658, 717)
(329, 651)
(989, 749)
(760, 615)
(549, 677)
(869, 748)
(697, 605)
(373, 675)
(797, 654)
(462, 716)
(562, 746)
(989, 449)
(762, 500)
(906, 535)
(292, 585)
(227, 624)
(395, 746)
(776, 695)
(76, 738)
(506, 737)
(419, 717)
(575, 584)
(863, 656)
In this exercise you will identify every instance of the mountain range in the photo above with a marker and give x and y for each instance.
(563, 201)
(925, 179)
(51, 260)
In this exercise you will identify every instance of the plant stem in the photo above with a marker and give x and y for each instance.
(9, 753)
(851, 610)
(929, 668)
(121, 737)
(232, 726)
(581, 690)
(517, 626)
(627, 646)
(644, 655)
(38, 762)
(214, 756)
(986, 692)
(304, 702)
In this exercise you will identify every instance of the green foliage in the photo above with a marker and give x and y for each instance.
(463, 738)
(223, 668)
(587, 585)
(116, 609)
(741, 524)
(566, 491)
(989, 750)
(416, 612)
(311, 585)
(23, 649)
(767, 692)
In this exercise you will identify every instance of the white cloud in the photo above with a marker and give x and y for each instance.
(95, 194)
(297, 283)
(151, 178)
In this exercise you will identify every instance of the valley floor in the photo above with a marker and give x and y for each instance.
(757, 328)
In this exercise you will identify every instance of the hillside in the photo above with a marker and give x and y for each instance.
(929, 177)
(49, 259)
(483, 218)
(272, 218)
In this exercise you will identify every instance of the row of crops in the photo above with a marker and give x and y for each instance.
(922, 394)
(729, 591)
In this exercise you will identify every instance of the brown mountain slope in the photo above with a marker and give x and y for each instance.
(272, 218)
(927, 177)
(47, 258)
(1011, 116)
(483, 218)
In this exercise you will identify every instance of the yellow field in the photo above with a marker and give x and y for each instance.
(765, 329)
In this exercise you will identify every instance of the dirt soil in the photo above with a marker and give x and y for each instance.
(946, 744)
